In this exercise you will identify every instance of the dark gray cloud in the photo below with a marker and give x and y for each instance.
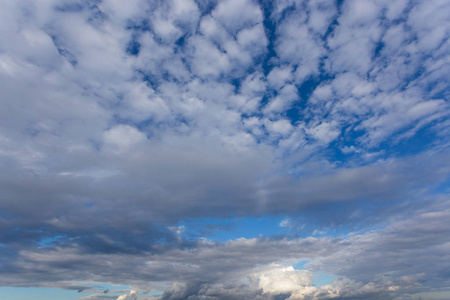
(394, 260)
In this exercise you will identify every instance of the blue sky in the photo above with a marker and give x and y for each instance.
(232, 149)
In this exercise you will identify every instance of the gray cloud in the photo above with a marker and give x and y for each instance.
(403, 257)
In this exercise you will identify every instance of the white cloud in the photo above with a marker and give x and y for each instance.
(254, 84)
(279, 76)
(212, 29)
(283, 101)
(175, 18)
(281, 280)
(132, 296)
(324, 132)
(207, 59)
(123, 137)
(321, 13)
(296, 45)
(123, 12)
(237, 14)
(253, 39)
(430, 23)
(185, 12)
(403, 111)
(396, 8)
(361, 11)
(285, 223)
(353, 42)
(282, 127)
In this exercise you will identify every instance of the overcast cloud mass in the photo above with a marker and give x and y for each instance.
(235, 149)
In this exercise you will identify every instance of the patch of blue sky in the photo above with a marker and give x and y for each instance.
(133, 47)
(103, 289)
(301, 265)
(181, 41)
(69, 7)
(421, 140)
(27, 293)
(378, 48)
(50, 241)
(347, 150)
(149, 78)
(305, 227)
(319, 279)
(112, 290)
(442, 189)
(223, 230)
(105, 286)
(437, 294)
(305, 90)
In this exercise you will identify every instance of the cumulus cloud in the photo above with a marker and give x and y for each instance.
(282, 280)
(131, 296)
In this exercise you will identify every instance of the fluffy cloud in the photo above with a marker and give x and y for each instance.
(131, 296)
(236, 15)
(280, 280)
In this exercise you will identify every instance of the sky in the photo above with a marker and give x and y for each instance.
(232, 149)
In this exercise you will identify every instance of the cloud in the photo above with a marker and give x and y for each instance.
(282, 280)
(236, 15)
(400, 258)
(283, 101)
(131, 296)
(120, 122)
(123, 136)
(297, 46)
(207, 59)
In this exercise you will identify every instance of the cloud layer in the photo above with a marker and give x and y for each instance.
(121, 121)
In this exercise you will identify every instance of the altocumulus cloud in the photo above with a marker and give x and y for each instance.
(123, 123)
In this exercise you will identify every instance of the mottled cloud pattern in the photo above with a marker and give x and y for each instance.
(122, 123)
